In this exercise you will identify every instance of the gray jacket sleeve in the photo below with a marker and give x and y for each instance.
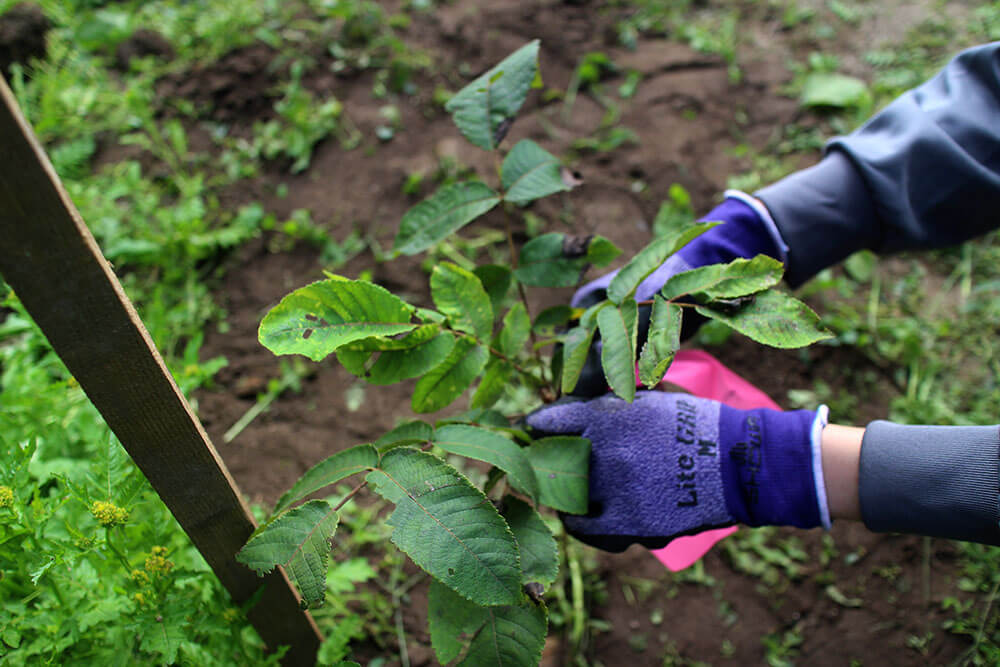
(922, 173)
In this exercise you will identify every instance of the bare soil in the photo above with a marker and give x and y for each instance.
(688, 117)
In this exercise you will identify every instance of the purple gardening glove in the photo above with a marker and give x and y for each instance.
(747, 231)
(675, 464)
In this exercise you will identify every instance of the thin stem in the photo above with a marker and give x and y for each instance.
(350, 495)
(115, 551)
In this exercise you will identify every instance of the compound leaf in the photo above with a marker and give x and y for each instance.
(487, 106)
(539, 555)
(772, 318)
(452, 621)
(725, 281)
(299, 541)
(448, 527)
(516, 330)
(491, 387)
(443, 213)
(647, 260)
(444, 383)
(317, 319)
(485, 445)
(662, 343)
(330, 471)
(458, 294)
(543, 263)
(618, 351)
(510, 635)
(530, 172)
(562, 464)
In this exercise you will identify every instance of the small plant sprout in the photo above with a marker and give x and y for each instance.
(491, 562)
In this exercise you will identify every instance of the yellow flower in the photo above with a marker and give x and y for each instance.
(157, 563)
(140, 577)
(6, 496)
(109, 514)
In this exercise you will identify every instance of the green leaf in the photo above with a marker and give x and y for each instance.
(647, 260)
(496, 281)
(510, 636)
(418, 336)
(725, 281)
(827, 89)
(486, 106)
(543, 263)
(452, 621)
(516, 330)
(576, 347)
(299, 541)
(495, 379)
(446, 382)
(480, 416)
(448, 527)
(443, 213)
(551, 319)
(395, 366)
(329, 471)
(317, 319)
(662, 343)
(458, 294)
(617, 352)
(530, 172)
(407, 433)
(483, 445)
(562, 464)
(772, 318)
(601, 251)
(539, 555)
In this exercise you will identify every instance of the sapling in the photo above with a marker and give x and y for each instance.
(490, 555)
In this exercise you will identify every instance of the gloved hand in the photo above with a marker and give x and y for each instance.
(675, 464)
(745, 233)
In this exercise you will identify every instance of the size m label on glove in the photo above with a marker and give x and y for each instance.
(697, 479)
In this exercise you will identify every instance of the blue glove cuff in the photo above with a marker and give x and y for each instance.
(767, 467)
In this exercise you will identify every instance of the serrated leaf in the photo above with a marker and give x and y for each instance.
(418, 336)
(299, 541)
(444, 383)
(448, 527)
(496, 281)
(452, 621)
(772, 318)
(331, 470)
(725, 281)
(530, 172)
(511, 636)
(601, 251)
(647, 260)
(543, 264)
(484, 445)
(562, 465)
(460, 296)
(317, 319)
(407, 433)
(576, 347)
(490, 102)
(515, 331)
(443, 213)
(617, 353)
(491, 387)
(480, 416)
(662, 342)
(395, 366)
(539, 555)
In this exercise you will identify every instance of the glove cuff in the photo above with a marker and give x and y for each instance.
(768, 468)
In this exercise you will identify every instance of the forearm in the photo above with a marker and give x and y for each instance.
(926, 480)
(922, 173)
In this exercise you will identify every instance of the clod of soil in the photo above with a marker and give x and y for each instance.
(141, 44)
(22, 35)
(240, 85)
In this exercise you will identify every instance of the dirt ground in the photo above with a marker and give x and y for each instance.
(688, 117)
